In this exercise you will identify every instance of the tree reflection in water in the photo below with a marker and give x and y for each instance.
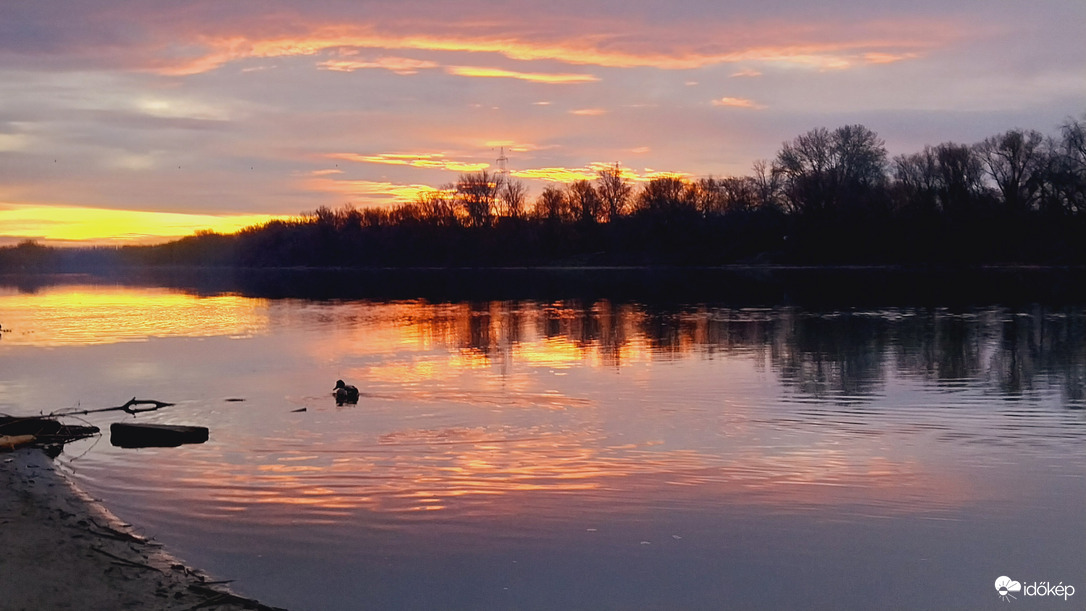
(839, 354)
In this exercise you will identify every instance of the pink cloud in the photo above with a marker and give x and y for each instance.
(738, 103)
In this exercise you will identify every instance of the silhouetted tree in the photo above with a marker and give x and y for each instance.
(437, 206)
(1014, 161)
(705, 195)
(945, 178)
(824, 199)
(614, 191)
(739, 194)
(476, 194)
(664, 195)
(1063, 188)
(823, 170)
(552, 205)
(512, 196)
(584, 202)
(767, 184)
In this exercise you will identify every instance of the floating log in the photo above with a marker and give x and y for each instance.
(138, 435)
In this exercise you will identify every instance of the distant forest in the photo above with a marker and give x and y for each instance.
(829, 197)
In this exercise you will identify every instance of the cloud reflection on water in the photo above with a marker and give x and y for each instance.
(467, 410)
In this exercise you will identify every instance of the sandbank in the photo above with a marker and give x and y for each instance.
(59, 549)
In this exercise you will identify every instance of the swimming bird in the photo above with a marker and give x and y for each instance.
(345, 393)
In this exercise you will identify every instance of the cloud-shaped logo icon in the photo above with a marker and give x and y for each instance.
(1005, 585)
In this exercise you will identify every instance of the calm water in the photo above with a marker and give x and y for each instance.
(579, 454)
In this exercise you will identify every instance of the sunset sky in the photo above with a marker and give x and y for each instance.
(135, 121)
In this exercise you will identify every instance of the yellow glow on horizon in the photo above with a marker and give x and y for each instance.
(60, 224)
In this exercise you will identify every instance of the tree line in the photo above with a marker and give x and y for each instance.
(828, 197)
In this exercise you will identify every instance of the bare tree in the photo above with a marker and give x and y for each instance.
(476, 193)
(947, 177)
(1013, 161)
(512, 197)
(1064, 187)
(959, 176)
(552, 205)
(584, 203)
(614, 191)
(767, 183)
(823, 170)
(707, 195)
(437, 207)
(666, 194)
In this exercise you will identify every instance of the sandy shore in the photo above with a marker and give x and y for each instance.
(61, 550)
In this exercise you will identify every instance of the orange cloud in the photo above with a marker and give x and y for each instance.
(888, 58)
(399, 65)
(417, 160)
(589, 112)
(512, 146)
(384, 192)
(562, 175)
(535, 77)
(817, 47)
(739, 103)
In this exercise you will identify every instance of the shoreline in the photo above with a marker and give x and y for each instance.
(64, 550)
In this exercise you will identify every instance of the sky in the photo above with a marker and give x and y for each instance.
(138, 121)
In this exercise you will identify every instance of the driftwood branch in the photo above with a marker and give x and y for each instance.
(218, 597)
(124, 561)
(132, 406)
(48, 432)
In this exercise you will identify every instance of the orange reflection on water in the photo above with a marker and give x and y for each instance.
(448, 339)
(436, 434)
(493, 470)
(80, 315)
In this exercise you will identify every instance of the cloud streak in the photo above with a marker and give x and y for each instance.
(417, 160)
(399, 65)
(534, 77)
(730, 102)
(821, 55)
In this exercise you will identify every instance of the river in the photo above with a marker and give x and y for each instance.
(580, 449)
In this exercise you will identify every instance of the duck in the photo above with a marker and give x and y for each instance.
(345, 393)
